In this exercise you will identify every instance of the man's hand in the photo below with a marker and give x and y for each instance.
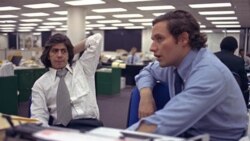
(147, 103)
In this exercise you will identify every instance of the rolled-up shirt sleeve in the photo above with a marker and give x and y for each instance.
(149, 75)
(203, 91)
(38, 107)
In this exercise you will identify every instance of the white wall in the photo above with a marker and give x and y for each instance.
(214, 39)
(3, 41)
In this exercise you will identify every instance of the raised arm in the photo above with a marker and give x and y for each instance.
(80, 47)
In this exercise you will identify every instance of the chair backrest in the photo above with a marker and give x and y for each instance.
(237, 78)
(161, 97)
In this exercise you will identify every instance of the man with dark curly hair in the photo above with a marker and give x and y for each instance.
(66, 93)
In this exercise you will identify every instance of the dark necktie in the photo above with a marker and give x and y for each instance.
(64, 113)
(178, 83)
(132, 59)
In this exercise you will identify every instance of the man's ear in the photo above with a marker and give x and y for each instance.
(183, 38)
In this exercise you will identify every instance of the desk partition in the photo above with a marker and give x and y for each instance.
(130, 72)
(108, 81)
(8, 96)
(26, 77)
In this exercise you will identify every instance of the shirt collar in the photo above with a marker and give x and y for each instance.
(186, 64)
(53, 71)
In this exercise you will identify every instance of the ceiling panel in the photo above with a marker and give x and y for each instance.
(241, 8)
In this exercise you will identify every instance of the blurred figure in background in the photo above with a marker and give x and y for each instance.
(236, 64)
(133, 58)
(246, 59)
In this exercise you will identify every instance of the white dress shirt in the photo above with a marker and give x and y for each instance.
(80, 81)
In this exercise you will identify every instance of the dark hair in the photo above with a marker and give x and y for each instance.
(53, 40)
(229, 43)
(180, 21)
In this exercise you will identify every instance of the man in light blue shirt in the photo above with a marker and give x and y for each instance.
(210, 100)
(133, 58)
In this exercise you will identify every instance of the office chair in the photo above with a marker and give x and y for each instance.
(161, 97)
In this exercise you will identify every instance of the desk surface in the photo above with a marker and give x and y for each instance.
(98, 134)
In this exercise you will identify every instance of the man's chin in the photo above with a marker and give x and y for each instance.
(164, 64)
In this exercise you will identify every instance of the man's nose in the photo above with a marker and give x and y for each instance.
(153, 47)
(59, 53)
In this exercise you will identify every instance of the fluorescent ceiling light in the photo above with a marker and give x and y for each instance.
(109, 10)
(147, 24)
(109, 21)
(24, 30)
(158, 14)
(61, 12)
(31, 20)
(87, 32)
(41, 29)
(226, 22)
(135, 0)
(8, 21)
(227, 26)
(206, 31)
(26, 27)
(134, 27)
(61, 29)
(163, 7)
(202, 26)
(84, 2)
(95, 25)
(28, 24)
(127, 16)
(108, 28)
(9, 8)
(39, 14)
(216, 12)
(123, 24)
(231, 31)
(36, 33)
(52, 23)
(58, 19)
(7, 30)
(95, 17)
(7, 25)
(140, 20)
(221, 18)
(89, 28)
(87, 22)
(64, 26)
(41, 5)
(210, 5)
(46, 26)
(8, 16)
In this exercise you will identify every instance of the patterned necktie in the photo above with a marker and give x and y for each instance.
(178, 82)
(64, 113)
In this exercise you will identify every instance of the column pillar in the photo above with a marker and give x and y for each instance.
(76, 24)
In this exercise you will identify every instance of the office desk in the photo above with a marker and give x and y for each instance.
(130, 72)
(108, 81)
(26, 77)
(101, 134)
